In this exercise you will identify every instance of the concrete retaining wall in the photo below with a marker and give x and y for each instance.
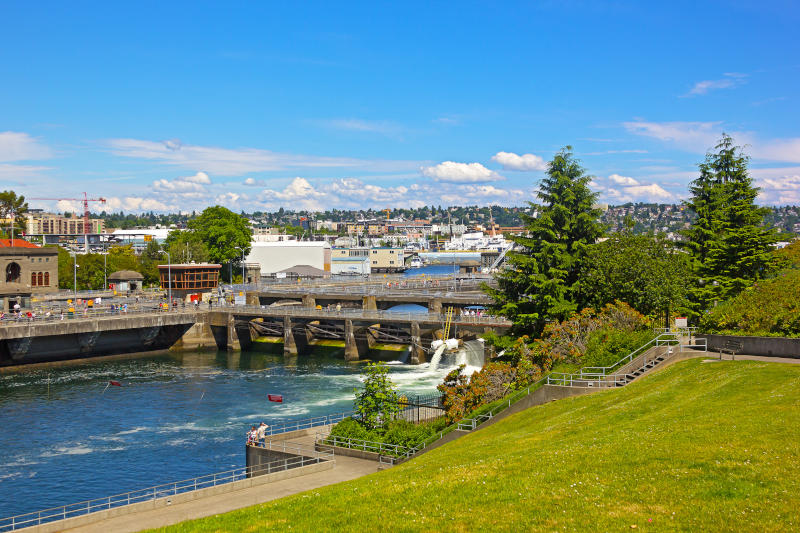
(257, 456)
(92, 518)
(766, 346)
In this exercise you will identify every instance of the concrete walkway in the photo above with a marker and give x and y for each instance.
(346, 468)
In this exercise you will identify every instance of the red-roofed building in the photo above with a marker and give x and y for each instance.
(25, 269)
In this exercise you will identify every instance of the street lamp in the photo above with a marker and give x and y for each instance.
(75, 275)
(241, 250)
(105, 266)
(169, 276)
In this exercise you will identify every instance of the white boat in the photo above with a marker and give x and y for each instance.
(416, 262)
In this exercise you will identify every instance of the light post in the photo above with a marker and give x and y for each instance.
(241, 250)
(75, 275)
(105, 267)
(169, 277)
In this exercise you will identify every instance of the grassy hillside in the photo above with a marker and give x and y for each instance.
(697, 446)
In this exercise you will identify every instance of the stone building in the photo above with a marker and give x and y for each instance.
(25, 269)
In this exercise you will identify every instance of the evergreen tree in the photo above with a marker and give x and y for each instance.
(729, 245)
(542, 282)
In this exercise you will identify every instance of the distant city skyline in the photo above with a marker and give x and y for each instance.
(174, 107)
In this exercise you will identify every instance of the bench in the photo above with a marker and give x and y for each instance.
(732, 347)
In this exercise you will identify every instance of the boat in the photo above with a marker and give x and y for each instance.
(416, 262)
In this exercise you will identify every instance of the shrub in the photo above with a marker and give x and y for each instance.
(769, 308)
(377, 404)
(607, 346)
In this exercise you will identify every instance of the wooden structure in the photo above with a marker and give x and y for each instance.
(191, 278)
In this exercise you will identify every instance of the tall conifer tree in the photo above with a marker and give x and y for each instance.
(729, 245)
(542, 282)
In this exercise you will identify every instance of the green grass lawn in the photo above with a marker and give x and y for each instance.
(694, 447)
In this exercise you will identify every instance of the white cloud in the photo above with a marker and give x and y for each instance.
(624, 189)
(512, 161)
(623, 180)
(239, 161)
(784, 190)
(700, 137)
(452, 172)
(188, 185)
(731, 79)
(696, 136)
(367, 126)
(652, 192)
(17, 146)
(20, 172)
(251, 182)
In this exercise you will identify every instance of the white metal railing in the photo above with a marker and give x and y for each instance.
(664, 339)
(309, 456)
(307, 423)
(90, 314)
(381, 448)
(688, 331)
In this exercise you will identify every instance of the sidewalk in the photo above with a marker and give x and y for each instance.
(346, 468)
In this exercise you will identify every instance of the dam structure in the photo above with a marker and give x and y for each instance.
(234, 327)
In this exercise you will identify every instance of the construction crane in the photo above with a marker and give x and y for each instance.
(85, 201)
(388, 212)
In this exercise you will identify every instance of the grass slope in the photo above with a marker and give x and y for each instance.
(693, 447)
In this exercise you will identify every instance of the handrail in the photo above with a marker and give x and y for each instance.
(297, 310)
(660, 340)
(381, 448)
(160, 491)
(92, 314)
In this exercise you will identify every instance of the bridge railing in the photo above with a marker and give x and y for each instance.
(344, 312)
(89, 314)
(304, 456)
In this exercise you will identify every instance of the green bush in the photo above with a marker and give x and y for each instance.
(607, 346)
(768, 308)
(397, 432)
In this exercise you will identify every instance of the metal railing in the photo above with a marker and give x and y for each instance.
(381, 448)
(344, 312)
(577, 380)
(664, 339)
(310, 456)
(307, 423)
(90, 314)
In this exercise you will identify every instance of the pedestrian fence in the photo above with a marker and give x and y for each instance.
(307, 423)
(307, 456)
(90, 314)
(381, 448)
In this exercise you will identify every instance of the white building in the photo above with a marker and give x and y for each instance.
(276, 256)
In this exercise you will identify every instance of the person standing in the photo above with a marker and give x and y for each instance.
(261, 434)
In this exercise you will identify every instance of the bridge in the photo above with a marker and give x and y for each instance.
(100, 332)
(433, 294)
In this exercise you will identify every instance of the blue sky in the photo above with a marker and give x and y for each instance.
(170, 106)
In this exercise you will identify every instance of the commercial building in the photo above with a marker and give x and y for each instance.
(26, 269)
(41, 223)
(274, 257)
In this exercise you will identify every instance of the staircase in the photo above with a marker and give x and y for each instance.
(632, 366)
